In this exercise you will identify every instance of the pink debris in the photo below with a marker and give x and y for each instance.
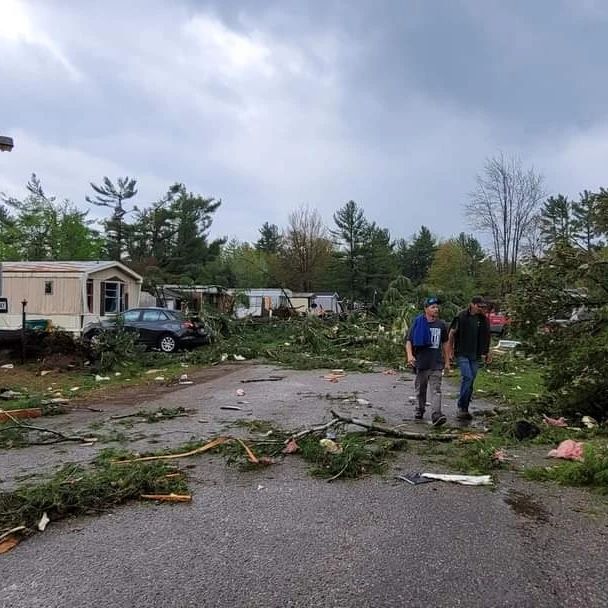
(291, 447)
(500, 455)
(555, 421)
(389, 372)
(568, 449)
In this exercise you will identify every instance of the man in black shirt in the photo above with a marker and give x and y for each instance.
(469, 344)
(426, 348)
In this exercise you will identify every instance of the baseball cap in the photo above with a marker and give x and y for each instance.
(431, 301)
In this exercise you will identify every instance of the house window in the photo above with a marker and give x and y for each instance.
(113, 298)
(90, 295)
(48, 288)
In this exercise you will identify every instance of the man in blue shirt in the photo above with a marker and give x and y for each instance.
(427, 351)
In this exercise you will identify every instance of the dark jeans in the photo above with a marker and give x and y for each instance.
(468, 371)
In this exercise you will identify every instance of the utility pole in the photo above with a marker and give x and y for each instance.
(6, 145)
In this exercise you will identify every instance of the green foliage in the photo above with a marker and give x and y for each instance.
(270, 240)
(76, 490)
(361, 454)
(415, 258)
(114, 347)
(591, 472)
(42, 229)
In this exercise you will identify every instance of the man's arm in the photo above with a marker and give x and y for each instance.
(409, 353)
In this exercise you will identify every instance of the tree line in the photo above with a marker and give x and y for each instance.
(168, 241)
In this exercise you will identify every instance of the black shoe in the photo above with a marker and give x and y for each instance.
(464, 415)
(418, 415)
(438, 419)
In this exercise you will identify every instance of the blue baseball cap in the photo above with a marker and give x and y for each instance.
(431, 301)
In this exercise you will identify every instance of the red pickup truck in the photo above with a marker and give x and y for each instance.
(499, 321)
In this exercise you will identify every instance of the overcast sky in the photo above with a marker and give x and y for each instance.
(269, 104)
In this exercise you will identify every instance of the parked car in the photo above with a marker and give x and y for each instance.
(160, 328)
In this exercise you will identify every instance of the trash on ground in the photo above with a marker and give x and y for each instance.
(334, 377)
(508, 344)
(183, 378)
(469, 437)
(415, 479)
(291, 448)
(159, 379)
(44, 372)
(99, 378)
(465, 480)
(362, 401)
(11, 395)
(568, 450)
(44, 522)
(500, 455)
(525, 430)
(238, 358)
(589, 422)
(9, 542)
(330, 446)
(389, 372)
(260, 487)
(236, 408)
(240, 392)
(74, 389)
(154, 371)
(117, 374)
(561, 421)
(7, 366)
(268, 379)
(168, 497)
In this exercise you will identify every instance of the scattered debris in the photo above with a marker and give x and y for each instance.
(291, 448)
(7, 366)
(168, 497)
(9, 542)
(525, 430)
(44, 372)
(393, 432)
(389, 372)
(465, 480)
(236, 408)
(508, 344)
(589, 422)
(415, 479)
(268, 379)
(500, 455)
(568, 450)
(334, 377)
(30, 412)
(469, 437)
(330, 446)
(99, 378)
(238, 358)
(44, 522)
(560, 422)
(362, 402)
(159, 379)
(9, 395)
(260, 487)
(74, 389)
(240, 392)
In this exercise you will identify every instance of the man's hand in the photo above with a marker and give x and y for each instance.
(487, 359)
(411, 361)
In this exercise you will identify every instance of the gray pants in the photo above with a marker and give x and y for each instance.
(428, 378)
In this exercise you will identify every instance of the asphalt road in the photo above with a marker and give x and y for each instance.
(278, 538)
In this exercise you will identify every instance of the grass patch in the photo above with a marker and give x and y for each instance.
(361, 454)
(511, 380)
(592, 472)
(76, 490)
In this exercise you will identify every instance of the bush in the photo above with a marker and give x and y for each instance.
(113, 347)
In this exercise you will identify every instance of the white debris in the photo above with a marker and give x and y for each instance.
(43, 523)
(99, 378)
(7, 366)
(240, 392)
(44, 372)
(183, 378)
(239, 358)
(362, 401)
(465, 480)
(117, 374)
(160, 378)
(75, 388)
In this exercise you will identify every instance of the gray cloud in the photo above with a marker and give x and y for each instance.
(270, 105)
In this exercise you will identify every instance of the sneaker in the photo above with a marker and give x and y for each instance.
(418, 415)
(464, 415)
(438, 419)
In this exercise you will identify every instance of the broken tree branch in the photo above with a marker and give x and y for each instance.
(60, 436)
(204, 448)
(269, 379)
(392, 432)
(314, 429)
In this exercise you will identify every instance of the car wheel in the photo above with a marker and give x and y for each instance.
(167, 343)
